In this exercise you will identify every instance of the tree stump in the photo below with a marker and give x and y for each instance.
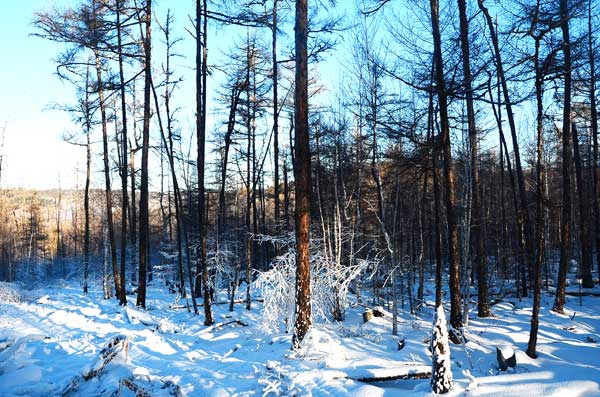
(401, 343)
(506, 358)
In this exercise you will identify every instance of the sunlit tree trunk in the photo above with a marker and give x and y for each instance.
(302, 177)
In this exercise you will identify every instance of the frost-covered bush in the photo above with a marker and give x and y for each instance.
(277, 287)
(220, 262)
(9, 293)
(330, 282)
(441, 371)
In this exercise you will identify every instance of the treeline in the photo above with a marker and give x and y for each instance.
(42, 232)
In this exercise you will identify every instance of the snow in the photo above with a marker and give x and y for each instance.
(441, 368)
(507, 351)
(50, 337)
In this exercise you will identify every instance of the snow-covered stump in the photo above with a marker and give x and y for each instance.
(441, 371)
(367, 315)
(506, 358)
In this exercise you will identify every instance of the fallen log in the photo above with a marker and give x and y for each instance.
(143, 388)
(114, 347)
(137, 317)
(237, 301)
(221, 325)
(387, 374)
(117, 345)
(137, 389)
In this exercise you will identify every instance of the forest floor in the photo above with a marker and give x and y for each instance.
(51, 343)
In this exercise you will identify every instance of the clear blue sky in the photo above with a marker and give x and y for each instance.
(34, 154)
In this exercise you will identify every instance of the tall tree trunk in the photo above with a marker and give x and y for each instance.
(524, 220)
(594, 120)
(286, 195)
(107, 188)
(124, 197)
(453, 240)
(565, 219)
(168, 144)
(479, 257)
(421, 218)
(254, 159)
(505, 156)
(275, 118)
(374, 158)
(302, 177)
(437, 223)
(249, 180)
(586, 241)
(88, 175)
(201, 71)
(144, 216)
(235, 98)
(249, 250)
(539, 214)
(133, 215)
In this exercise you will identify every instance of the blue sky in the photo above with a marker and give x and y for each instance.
(34, 153)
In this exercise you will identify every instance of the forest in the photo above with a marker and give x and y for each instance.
(363, 198)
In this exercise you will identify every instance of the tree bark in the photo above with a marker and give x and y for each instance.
(565, 219)
(302, 171)
(201, 72)
(124, 197)
(144, 216)
(539, 216)
(235, 97)
(275, 119)
(107, 187)
(453, 240)
(133, 215)
(249, 181)
(88, 175)
(587, 280)
(594, 121)
(479, 257)
(524, 222)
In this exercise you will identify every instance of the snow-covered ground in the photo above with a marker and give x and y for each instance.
(51, 340)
